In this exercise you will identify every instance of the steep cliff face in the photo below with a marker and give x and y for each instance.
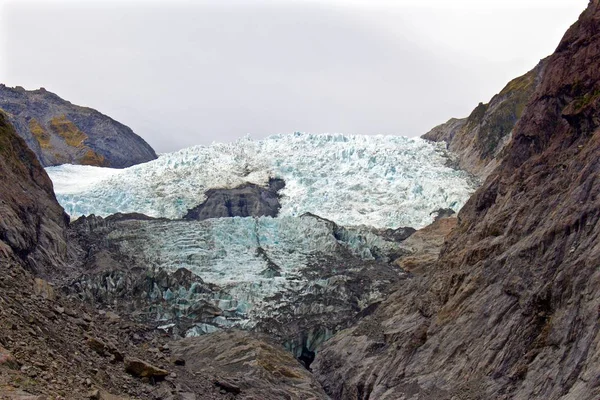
(60, 132)
(32, 223)
(511, 308)
(479, 139)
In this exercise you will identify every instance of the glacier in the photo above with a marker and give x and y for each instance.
(379, 181)
(298, 278)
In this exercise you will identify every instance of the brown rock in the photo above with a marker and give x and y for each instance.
(254, 364)
(33, 224)
(112, 317)
(510, 310)
(104, 348)
(44, 289)
(142, 369)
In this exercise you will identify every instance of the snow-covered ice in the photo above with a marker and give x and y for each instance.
(381, 181)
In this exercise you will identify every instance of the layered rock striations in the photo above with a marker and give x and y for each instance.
(59, 132)
(510, 310)
(479, 139)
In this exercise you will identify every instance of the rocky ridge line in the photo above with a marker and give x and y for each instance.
(478, 140)
(59, 132)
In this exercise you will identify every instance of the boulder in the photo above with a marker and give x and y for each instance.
(142, 369)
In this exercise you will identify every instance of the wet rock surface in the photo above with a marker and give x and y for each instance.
(59, 132)
(510, 309)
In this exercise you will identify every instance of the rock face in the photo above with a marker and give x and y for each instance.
(479, 139)
(510, 311)
(59, 132)
(248, 200)
(249, 365)
(32, 224)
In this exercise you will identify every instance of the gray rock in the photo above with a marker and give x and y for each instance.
(59, 132)
(248, 200)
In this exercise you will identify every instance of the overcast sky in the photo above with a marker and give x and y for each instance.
(185, 73)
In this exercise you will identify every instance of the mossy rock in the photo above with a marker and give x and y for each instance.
(39, 133)
(476, 116)
(93, 158)
(67, 130)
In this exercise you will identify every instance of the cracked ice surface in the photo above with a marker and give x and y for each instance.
(381, 181)
(225, 252)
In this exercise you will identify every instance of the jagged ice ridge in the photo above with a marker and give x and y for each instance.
(381, 181)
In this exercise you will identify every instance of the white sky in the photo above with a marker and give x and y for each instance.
(184, 73)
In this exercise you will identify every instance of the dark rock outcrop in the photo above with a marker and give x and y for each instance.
(479, 139)
(59, 132)
(248, 200)
(510, 310)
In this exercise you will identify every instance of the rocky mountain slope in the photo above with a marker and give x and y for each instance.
(479, 139)
(56, 346)
(510, 310)
(59, 132)
(32, 223)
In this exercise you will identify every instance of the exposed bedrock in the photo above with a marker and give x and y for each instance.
(248, 200)
(510, 310)
(478, 140)
(59, 132)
